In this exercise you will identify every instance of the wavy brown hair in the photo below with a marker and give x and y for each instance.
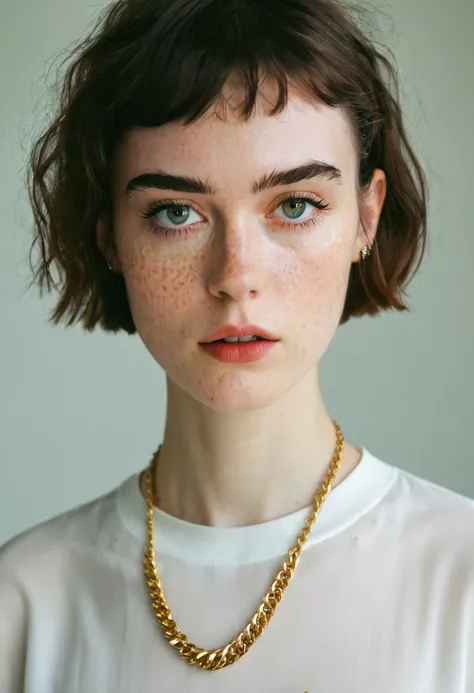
(149, 62)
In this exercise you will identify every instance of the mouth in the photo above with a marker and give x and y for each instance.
(233, 334)
(235, 350)
(239, 340)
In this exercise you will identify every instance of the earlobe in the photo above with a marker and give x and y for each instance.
(362, 253)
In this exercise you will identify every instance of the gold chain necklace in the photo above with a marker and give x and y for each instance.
(224, 656)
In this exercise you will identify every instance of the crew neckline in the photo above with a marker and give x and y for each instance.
(355, 496)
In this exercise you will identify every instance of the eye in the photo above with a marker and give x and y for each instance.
(173, 216)
(299, 208)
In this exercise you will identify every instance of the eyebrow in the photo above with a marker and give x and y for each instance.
(166, 181)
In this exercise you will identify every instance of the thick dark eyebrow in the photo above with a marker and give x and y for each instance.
(159, 180)
(312, 169)
(166, 181)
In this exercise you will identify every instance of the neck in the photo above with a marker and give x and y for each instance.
(240, 468)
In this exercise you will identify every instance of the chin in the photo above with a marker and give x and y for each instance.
(239, 404)
(235, 387)
(239, 392)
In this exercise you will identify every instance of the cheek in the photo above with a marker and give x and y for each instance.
(315, 282)
(314, 300)
(159, 289)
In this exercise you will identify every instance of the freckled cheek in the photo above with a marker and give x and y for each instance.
(315, 283)
(159, 290)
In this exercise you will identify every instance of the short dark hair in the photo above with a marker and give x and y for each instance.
(150, 62)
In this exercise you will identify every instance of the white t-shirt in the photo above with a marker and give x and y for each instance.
(382, 600)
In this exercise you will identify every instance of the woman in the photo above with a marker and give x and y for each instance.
(232, 180)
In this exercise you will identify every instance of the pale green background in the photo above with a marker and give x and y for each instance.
(80, 412)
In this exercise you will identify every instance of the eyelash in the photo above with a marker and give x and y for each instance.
(157, 207)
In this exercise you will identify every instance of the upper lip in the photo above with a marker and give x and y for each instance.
(240, 331)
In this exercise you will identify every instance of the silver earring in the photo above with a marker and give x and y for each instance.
(110, 265)
(365, 252)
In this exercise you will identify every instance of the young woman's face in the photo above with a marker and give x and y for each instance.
(240, 248)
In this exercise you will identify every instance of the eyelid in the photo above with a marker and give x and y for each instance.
(155, 206)
(296, 195)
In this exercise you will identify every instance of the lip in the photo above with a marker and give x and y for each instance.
(240, 331)
(238, 352)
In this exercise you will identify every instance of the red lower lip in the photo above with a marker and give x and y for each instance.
(238, 352)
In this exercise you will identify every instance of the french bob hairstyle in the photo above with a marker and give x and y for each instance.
(150, 62)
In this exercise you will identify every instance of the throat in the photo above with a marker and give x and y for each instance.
(246, 494)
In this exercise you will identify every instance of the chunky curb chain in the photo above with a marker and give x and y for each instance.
(223, 657)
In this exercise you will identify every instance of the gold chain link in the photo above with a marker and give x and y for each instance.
(223, 657)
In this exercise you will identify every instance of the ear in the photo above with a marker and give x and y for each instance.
(373, 197)
(105, 243)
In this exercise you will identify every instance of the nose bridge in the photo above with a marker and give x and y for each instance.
(236, 262)
(238, 243)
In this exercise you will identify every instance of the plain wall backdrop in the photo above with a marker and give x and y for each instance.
(80, 412)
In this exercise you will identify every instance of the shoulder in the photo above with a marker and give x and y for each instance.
(48, 547)
(430, 520)
(41, 571)
(424, 496)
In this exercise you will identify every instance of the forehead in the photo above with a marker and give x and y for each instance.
(224, 148)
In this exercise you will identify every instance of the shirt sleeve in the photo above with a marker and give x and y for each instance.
(13, 630)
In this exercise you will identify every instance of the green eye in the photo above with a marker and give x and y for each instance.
(294, 208)
(178, 214)
(172, 216)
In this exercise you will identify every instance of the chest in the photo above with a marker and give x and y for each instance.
(358, 632)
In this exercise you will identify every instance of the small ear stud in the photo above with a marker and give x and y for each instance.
(110, 265)
(365, 252)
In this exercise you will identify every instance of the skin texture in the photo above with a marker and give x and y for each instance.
(243, 442)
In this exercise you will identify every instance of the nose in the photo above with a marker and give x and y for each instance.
(236, 263)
